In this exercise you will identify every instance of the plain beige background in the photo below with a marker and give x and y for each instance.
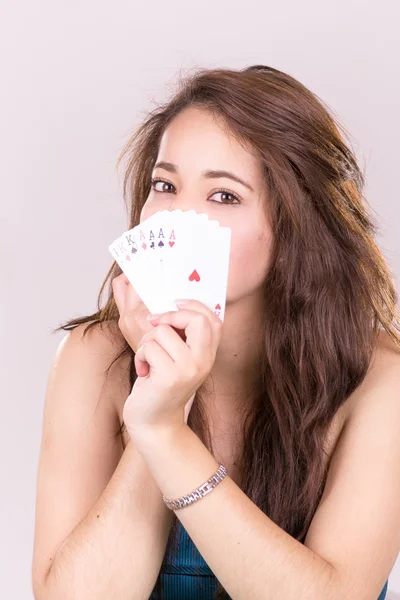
(76, 78)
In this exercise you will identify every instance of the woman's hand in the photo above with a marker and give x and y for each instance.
(132, 311)
(133, 323)
(172, 361)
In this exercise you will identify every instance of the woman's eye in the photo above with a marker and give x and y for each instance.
(232, 198)
(155, 181)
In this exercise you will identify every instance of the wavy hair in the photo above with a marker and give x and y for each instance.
(327, 292)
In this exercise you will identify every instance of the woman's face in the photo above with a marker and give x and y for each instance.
(192, 144)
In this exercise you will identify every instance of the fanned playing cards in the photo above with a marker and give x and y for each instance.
(176, 254)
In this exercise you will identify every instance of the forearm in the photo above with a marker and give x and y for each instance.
(117, 549)
(248, 553)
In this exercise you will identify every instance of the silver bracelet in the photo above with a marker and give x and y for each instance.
(199, 492)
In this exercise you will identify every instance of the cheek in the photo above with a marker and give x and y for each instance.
(249, 261)
(147, 211)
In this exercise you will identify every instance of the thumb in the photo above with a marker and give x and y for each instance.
(125, 296)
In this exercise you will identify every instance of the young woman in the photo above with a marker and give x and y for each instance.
(295, 393)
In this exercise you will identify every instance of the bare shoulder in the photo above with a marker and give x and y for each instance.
(101, 346)
(80, 449)
(87, 384)
(382, 379)
(101, 340)
(386, 349)
(360, 498)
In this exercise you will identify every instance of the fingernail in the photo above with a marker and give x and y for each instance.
(153, 317)
(180, 302)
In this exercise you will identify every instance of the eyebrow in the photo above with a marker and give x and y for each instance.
(210, 174)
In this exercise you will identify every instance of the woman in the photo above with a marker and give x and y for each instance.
(295, 394)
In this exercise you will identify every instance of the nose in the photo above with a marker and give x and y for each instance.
(185, 202)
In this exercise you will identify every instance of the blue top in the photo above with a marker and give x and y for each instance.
(188, 576)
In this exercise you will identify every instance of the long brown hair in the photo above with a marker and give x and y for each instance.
(328, 290)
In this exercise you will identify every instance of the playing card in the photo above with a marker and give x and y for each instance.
(176, 254)
(125, 257)
(174, 237)
(148, 271)
(203, 273)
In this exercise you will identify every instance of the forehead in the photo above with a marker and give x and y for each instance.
(195, 140)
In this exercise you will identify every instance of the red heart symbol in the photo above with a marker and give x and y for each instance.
(144, 246)
(127, 257)
(194, 276)
(171, 244)
(218, 307)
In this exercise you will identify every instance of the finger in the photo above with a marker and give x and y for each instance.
(142, 366)
(200, 333)
(126, 297)
(119, 286)
(201, 308)
(152, 353)
(132, 298)
(132, 311)
(170, 341)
